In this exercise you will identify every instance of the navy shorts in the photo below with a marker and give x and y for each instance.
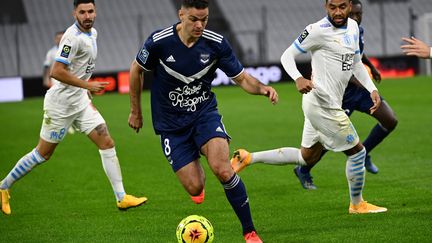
(181, 148)
(356, 98)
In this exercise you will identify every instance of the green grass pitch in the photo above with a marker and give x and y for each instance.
(69, 199)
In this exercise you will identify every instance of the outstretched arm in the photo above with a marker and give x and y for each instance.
(253, 86)
(135, 87)
(61, 73)
(416, 47)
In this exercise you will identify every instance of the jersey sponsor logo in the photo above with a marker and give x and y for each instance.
(303, 36)
(143, 55)
(65, 51)
(347, 61)
(205, 58)
(187, 97)
(170, 59)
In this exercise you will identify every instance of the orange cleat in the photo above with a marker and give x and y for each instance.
(200, 198)
(240, 159)
(252, 237)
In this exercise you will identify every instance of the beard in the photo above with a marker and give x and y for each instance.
(335, 24)
(86, 24)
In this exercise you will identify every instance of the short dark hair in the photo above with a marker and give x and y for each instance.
(78, 2)
(356, 2)
(198, 4)
(348, 1)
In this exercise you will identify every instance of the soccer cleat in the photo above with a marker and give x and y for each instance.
(5, 201)
(252, 237)
(304, 178)
(130, 201)
(365, 207)
(240, 159)
(371, 167)
(200, 198)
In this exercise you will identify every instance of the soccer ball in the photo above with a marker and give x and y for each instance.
(194, 229)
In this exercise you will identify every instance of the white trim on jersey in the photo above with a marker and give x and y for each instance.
(183, 78)
(155, 35)
(213, 33)
(162, 34)
(211, 37)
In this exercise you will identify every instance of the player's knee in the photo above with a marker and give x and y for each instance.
(107, 143)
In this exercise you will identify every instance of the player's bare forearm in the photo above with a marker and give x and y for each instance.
(135, 87)
(62, 74)
(253, 86)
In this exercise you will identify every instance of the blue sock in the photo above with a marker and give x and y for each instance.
(237, 197)
(375, 137)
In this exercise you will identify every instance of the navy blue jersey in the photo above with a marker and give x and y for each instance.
(181, 90)
(361, 42)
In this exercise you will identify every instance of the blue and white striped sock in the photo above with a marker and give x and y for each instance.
(22, 167)
(355, 173)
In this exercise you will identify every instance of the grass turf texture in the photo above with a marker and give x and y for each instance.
(69, 199)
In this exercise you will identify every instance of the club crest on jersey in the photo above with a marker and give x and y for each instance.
(303, 36)
(205, 58)
(65, 51)
(143, 55)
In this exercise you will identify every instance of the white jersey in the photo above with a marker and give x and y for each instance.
(78, 50)
(334, 52)
(50, 59)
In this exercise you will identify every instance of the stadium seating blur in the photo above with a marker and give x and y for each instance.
(124, 25)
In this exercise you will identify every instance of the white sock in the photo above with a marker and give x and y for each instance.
(355, 173)
(281, 156)
(112, 170)
(22, 167)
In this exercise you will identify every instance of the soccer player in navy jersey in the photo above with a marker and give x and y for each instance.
(184, 58)
(357, 98)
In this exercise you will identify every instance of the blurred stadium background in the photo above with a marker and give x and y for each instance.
(69, 199)
(258, 30)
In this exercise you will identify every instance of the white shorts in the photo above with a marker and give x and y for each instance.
(330, 127)
(55, 126)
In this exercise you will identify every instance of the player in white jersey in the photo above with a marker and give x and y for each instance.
(333, 43)
(50, 59)
(67, 103)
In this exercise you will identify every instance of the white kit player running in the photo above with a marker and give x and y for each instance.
(333, 43)
(67, 103)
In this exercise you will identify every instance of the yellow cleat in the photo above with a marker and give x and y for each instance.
(365, 207)
(240, 159)
(5, 201)
(130, 201)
